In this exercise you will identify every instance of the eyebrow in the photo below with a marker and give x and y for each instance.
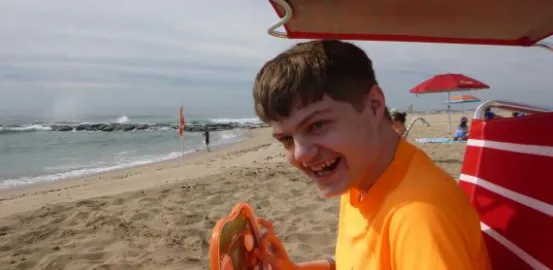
(305, 120)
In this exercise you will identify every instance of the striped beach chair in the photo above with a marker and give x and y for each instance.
(508, 174)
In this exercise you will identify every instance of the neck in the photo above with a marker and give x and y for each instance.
(389, 141)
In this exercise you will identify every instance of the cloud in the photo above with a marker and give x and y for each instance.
(169, 52)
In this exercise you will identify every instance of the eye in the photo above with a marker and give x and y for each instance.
(317, 125)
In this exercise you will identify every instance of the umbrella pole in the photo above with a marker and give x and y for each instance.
(449, 112)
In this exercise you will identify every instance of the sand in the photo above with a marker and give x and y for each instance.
(160, 216)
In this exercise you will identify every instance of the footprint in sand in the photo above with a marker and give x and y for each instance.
(64, 261)
(141, 216)
(148, 201)
(77, 218)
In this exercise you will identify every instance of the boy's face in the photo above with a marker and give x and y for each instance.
(331, 142)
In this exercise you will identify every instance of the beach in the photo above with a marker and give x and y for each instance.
(160, 215)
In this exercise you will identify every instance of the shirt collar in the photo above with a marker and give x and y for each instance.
(387, 181)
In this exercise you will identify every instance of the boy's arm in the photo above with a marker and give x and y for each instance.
(327, 264)
(422, 236)
(279, 258)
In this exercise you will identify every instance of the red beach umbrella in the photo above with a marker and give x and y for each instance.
(447, 83)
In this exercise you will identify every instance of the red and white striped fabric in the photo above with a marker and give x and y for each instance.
(508, 174)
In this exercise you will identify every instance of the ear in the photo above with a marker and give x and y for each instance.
(375, 101)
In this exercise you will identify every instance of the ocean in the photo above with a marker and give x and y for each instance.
(34, 152)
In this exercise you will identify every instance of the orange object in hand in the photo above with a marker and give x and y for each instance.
(249, 242)
(272, 251)
(235, 241)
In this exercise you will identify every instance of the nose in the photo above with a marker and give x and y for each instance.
(304, 151)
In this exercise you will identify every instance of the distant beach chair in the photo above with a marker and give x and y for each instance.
(505, 175)
(443, 140)
(412, 123)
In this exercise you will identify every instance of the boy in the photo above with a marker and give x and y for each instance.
(398, 209)
(398, 122)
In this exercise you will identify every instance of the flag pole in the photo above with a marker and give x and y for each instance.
(182, 150)
(449, 112)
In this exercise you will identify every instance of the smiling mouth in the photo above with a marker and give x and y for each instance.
(326, 168)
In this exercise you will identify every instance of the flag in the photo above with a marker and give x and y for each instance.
(181, 122)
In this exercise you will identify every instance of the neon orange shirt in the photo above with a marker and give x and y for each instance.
(415, 216)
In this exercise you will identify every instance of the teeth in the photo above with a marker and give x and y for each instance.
(323, 165)
(321, 173)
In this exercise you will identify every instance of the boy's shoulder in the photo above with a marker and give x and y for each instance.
(425, 181)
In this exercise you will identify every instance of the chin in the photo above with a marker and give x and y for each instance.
(332, 191)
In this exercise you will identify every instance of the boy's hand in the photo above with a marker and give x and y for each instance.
(272, 251)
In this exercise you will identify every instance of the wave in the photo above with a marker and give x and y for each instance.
(120, 159)
(122, 120)
(24, 128)
(124, 123)
(77, 171)
(235, 120)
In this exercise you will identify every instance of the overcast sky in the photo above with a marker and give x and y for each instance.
(61, 57)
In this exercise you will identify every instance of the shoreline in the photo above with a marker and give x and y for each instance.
(10, 196)
(245, 136)
(23, 181)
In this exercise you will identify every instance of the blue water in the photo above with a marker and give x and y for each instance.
(32, 153)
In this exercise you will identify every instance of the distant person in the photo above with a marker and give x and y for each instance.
(206, 136)
(398, 121)
(489, 114)
(461, 134)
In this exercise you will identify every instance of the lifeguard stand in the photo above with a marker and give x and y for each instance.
(506, 174)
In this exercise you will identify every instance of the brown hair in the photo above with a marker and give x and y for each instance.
(306, 72)
(399, 116)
